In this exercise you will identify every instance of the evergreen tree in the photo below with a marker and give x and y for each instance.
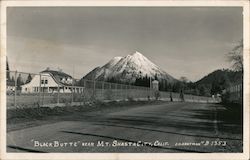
(29, 78)
(142, 81)
(156, 78)
(202, 90)
(7, 70)
(216, 88)
(236, 57)
(12, 79)
(19, 82)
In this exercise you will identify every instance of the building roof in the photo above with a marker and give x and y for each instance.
(155, 81)
(56, 73)
(58, 76)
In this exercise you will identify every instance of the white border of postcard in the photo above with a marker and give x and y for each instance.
(230, 3)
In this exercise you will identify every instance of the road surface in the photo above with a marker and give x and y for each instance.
(165, 128)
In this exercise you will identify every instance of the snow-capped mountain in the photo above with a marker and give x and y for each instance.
(128, 68)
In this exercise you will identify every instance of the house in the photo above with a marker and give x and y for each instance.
(51, 81)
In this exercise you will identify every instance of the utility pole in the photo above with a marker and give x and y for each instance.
(40, 88)
(43, 89)
(150, 92)
(150, 82)
(15, 88)
(72, 96)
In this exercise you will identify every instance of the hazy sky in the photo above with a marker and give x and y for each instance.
(183, 41)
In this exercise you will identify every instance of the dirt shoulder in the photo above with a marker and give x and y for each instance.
(21, 118)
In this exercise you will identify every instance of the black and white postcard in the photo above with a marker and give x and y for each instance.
(124, 80)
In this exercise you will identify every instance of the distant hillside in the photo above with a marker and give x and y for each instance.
(221, 76)
(217, 81)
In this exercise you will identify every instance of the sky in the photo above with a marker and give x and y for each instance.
(183, 41)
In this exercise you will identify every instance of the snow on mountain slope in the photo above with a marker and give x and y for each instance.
(128, 68)
(106, 68)
(99, 71)
(112, 62)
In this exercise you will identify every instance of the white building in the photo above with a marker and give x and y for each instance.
(51, 81)
(155, 85)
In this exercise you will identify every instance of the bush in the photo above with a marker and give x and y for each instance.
(157, 95)
(109, 94)
(131, 99)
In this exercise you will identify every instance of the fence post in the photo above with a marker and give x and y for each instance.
(94, 89)
(148, 94)
(40, 88)
(103, 90)
(15, 88)
(116, 95)
(130, 91)
(126, 89)
(72, 91)
(84, 91)
(43, 90)
(58, 92)
(124, 94)
(111, 92)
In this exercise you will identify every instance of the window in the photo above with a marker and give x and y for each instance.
(35, 89)
(44, 81)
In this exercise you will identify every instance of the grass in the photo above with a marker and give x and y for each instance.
(20, 118)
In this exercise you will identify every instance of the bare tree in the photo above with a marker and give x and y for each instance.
(236, 57)
(184, 79)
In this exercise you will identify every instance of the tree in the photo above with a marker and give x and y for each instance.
(236, 57)
(204, 90)
(196, 91)
(7, 70)
(176, 87)
(12, 79)
(142, 81)
(156, 77)
(216, 88)
(183, 79)
(19, 82)
(29, 78)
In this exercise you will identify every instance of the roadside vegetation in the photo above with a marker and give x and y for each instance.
(20, 118)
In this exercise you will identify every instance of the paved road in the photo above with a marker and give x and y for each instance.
(170, 127)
